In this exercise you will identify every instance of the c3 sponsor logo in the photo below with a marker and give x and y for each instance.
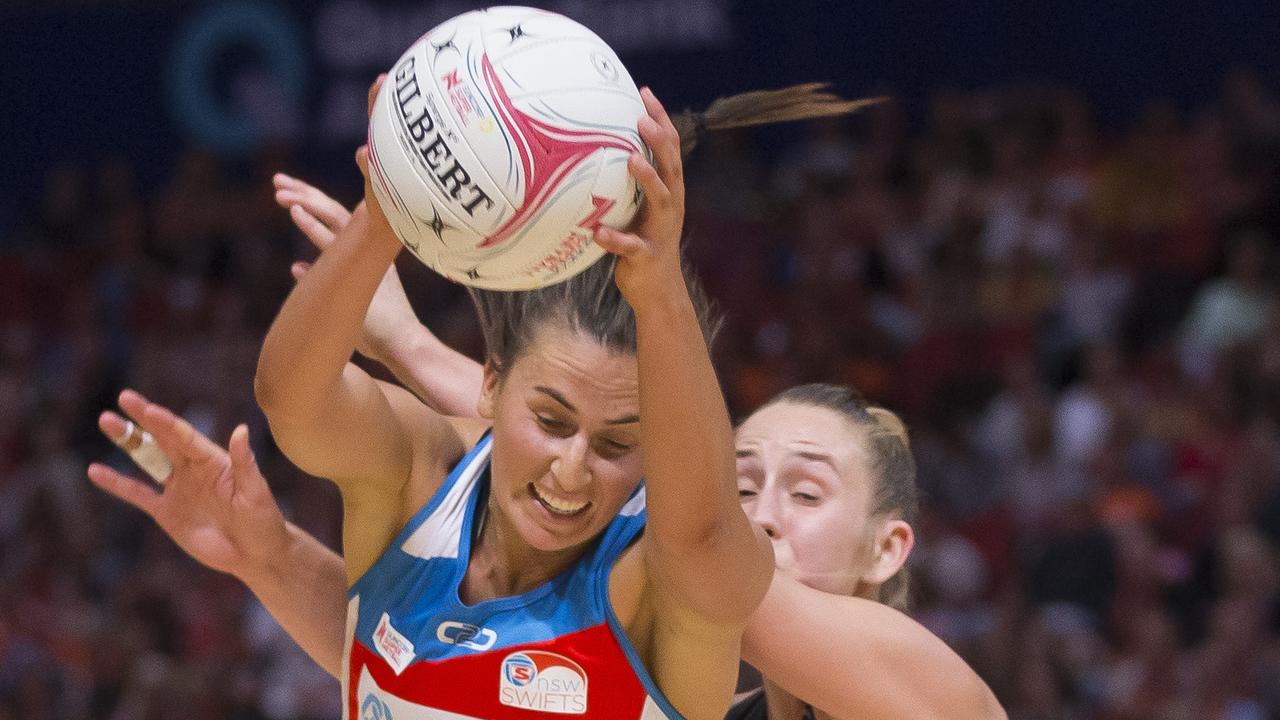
(466, 635)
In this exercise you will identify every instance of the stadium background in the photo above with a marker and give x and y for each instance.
(1054, 253)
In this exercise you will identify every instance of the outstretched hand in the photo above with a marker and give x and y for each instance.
(649, 255)
(215, 505)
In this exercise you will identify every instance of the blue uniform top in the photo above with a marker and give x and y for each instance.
(415, 651)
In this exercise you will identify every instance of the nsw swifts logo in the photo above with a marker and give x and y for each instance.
(543, 681)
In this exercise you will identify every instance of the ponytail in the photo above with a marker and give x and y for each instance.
(763, 107)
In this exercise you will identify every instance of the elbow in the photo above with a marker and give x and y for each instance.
(979, 703)
(991, 707)
(275, 398)
(267, 393)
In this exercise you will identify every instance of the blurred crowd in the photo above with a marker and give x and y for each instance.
(1079, 323)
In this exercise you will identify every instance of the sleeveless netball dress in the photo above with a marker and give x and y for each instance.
(414, 651)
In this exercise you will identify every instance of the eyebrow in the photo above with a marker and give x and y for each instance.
(817, 457)
(560, 398)
(803, 454)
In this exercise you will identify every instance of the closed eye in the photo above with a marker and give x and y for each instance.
(554, 426)
(611, 449)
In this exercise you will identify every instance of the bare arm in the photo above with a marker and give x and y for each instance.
(218, 508)
(699, 548)
(857, 658)
(304, 587)
(327, 415)
(443, 378)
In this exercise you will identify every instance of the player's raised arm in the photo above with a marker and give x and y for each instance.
(328, 415)
(443, 378)
(698, 544)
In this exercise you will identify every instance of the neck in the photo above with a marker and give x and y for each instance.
(502, 563)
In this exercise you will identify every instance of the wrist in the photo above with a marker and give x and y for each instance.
(374, 230)
(270, 558)
(663, 303)
(659, 288)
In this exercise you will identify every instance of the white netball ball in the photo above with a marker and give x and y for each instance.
(499, 143)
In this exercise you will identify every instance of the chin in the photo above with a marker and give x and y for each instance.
(542, 536)
(826, 584)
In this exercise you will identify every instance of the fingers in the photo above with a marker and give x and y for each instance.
(112, 425)
(243, 463)
(137, 494)
(619, 243)
(292, 191)
(299, 269)
(373, 91)
(655, 190)
(140, 445)
(175, 436)
(362, 162)
(660, 134)
(316, 231)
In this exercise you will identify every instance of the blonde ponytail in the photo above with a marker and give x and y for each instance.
(890, 424)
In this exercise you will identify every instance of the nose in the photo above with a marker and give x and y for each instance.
(569, 468)
(766, 512)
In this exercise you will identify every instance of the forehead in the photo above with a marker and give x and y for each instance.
(589, 375)
(786, 429)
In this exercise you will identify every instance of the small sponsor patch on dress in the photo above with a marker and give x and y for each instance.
(392, 646)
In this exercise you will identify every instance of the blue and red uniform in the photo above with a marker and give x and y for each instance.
(415, 651)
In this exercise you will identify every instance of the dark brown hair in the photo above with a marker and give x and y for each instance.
(894, 468)
(764, 107)
(589, 303)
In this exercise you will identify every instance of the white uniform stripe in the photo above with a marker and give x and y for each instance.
(441, 533)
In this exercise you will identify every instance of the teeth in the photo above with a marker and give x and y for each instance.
(563, 507)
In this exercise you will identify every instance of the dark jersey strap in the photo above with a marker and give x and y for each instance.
(754, 707)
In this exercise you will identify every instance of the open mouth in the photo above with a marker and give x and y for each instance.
(558, 506)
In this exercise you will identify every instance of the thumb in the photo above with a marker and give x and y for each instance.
(619, 243)
(374, 89)
(362, 161)
(244, 466)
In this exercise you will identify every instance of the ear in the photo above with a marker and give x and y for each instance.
(488, 402)
(894, 540)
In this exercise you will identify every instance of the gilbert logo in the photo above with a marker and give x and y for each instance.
(466, 635)
(392, 646)
(543, 681)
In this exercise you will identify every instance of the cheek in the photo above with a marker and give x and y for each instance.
(615, 480)
(520, 449)
(825, 540)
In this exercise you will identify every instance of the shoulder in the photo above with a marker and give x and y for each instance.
(439, 443)
(469, 430)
